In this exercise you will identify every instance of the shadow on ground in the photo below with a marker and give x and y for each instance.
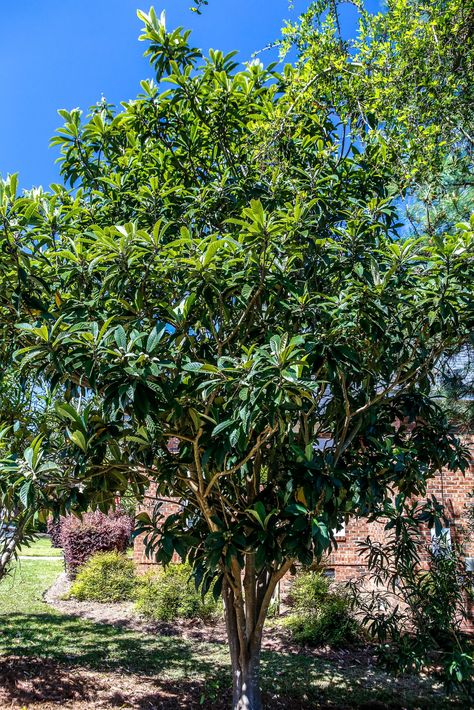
(50, 659)
(99, 646)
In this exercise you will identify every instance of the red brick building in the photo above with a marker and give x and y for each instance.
(451, 489)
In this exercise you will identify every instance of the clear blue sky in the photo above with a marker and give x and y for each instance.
(66, 53)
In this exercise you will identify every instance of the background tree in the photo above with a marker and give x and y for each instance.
(406, 74)
(26, 401)
(226, 270)
(30, 487)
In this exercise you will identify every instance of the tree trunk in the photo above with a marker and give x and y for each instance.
(7, 554)
(9, 546)
(246, 605)
(245, 657)
(246, 686)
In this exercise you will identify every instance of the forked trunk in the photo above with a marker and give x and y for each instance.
(245, 658)
(246, 604)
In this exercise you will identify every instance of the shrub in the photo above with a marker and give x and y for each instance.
(170, 594)
(308, 590)
(321, 612)
(95, 532)
(105, 577)
(54, 531)
(417, 614)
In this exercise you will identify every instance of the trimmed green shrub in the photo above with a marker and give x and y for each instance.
(308, 591)
(321, 612)
(171, 594)
(105, 577)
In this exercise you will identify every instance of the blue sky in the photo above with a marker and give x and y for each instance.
(66, 53)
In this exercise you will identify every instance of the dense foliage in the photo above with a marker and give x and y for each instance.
(26, 419)
(30, 486)
(95, 532)
(406, 74)
(226, 268)
(54, 531)
(106, 577)
(161, 595)
(321, 612)
(171, 594)
(417, 604)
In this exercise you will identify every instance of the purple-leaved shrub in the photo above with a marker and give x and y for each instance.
(94, 532)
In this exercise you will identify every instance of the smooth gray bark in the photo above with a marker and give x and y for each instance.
(246, 605)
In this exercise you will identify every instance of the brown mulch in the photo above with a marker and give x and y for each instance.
(35, 684)
(123, 615)
(39, 684)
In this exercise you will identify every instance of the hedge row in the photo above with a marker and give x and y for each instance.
(164, 595)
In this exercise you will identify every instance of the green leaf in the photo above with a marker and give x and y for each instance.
(211, 251)
(193, 366)
(120, 337)
(222, 426)
(258, 512)
(79, 439)
(25, 493)
(66, 410)
(155, 337)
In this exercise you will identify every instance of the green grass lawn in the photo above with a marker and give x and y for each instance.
(41, 547)
(31, 629)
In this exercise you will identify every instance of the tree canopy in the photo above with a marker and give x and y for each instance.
(406, 74)
(225, 268)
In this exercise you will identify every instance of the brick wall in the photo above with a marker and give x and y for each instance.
(451, 489)
(143, 562)
(346, 560)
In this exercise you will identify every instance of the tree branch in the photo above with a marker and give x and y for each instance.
(266, 434)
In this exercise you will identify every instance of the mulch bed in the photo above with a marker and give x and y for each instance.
(41, 684)
(123, 615)
(35, 683)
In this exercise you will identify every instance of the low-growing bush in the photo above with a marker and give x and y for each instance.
(94, 532)
(105, 577)
(170, 594)
(321, 613)
(308, 590)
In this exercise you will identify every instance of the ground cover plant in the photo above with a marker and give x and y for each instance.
(225, 267)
